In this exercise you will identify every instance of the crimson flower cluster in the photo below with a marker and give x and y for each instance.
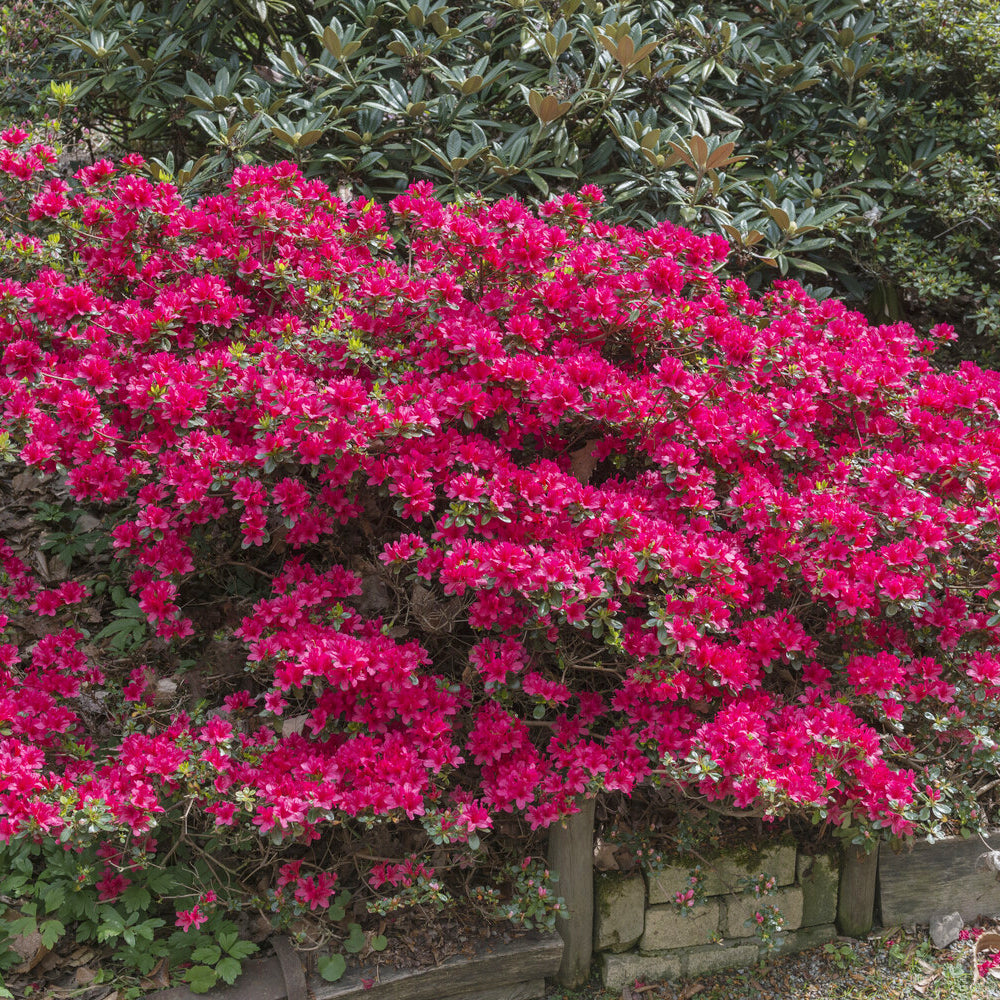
(636, 524)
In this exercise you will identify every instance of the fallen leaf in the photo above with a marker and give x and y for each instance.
(84, 976)
(692, 989)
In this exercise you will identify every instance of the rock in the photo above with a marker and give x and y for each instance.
(945, 928)
(165, 692)
(618, 971)
(619, 911)
(669, 927)
(738, 921)
(714, 958)
(800, 940)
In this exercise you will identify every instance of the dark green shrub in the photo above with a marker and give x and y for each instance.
(26, 40)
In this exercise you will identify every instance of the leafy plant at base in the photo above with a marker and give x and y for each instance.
(105, 898)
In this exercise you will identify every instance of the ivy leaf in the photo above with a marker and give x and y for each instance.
(356, 939)
(332, 967)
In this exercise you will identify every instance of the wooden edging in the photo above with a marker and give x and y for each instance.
(500, 971)
(506, 971)
(923, 880)
(856, 899)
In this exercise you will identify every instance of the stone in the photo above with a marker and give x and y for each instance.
(726, 872)
(663, 885)
(729, 871)
(165, 692)
(623, 970)
(800, 940)
(619, 910)
(668, 927)
(702, 961)
(945, 928)
(819, 876)
(740, 911)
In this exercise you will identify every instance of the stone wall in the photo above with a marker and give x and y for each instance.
(641, 933)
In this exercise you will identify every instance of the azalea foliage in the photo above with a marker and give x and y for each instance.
(628, 523)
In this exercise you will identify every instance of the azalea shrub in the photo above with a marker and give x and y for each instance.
(526, 508)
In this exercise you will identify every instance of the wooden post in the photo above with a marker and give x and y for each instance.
(856, 899)
(571, 855)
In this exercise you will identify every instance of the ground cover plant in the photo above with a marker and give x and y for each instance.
(437, 517)
(849, 144)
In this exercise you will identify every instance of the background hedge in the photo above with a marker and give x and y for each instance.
(853, 146)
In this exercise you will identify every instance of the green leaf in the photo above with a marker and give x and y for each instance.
(332, 967)
(380, 942)
(209, 954)
(241, 949)
(355, 940)
(228, 969)
(136, 898)
(54, 897)
(51, 931)
(200, 978)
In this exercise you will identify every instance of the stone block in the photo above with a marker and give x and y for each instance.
(739, 910)
(725, 873)
(819, 877)
(805, 937)
(714, 958)
(623, 970)
(619, 910)
(664, 885)
(667, 927)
